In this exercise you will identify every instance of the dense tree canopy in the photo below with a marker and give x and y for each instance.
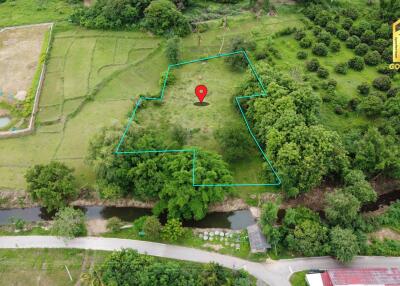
(344, 244)
(285, 121)
(162, 17)
(52, 185)
(129, 268)
(163, 177)
(341, 208)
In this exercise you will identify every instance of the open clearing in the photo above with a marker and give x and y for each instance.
(45, 266)
(113, 68)
(19, 54)
(179, 107)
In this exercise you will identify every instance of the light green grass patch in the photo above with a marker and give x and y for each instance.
(77, 68)
(49, 113)
(298, 279)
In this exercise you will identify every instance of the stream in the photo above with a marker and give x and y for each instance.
(234, 220)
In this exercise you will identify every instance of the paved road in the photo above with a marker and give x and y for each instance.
(274, 273)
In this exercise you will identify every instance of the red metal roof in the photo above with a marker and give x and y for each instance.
(326, 280)
(369, 276)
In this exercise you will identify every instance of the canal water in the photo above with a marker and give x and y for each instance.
(234, 220)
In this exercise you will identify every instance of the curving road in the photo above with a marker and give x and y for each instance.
(274, 273)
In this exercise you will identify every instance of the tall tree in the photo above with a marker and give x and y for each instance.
(344, 244)
(52, 185)
(341, 208)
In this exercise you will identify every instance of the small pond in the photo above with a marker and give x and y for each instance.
(4, 121)
(234, 220)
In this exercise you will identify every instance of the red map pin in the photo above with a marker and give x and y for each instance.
(201, 92)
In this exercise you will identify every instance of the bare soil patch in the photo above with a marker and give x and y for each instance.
(96, 226)
(385, 233)
(20, 48)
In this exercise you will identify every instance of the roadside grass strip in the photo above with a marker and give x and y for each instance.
(276, 181)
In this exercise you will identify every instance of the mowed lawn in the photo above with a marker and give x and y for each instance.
(46, 266)
(93, 79)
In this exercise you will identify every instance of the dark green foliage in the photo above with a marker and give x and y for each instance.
(322, 72)
(129, 268)
(114, 224)
(162, 18)
(387, 55)
(356, 63)
(387, 247)
(320, 49)
(286, 31)
(69, 223)
(287, 121)
(391, 217)
(239, 62)
(302, 55)
(179, 198)
(344, 244)
(372, 58)
(172, 230)
(331, 27)
(377, 154)
(382, 83)
(363, 88)
(269, 214)
(295, 216)
(389, 10)
(234, 141)
(305, 43)
(393, 92)
(384, 31)
(110, 14)
(347, 23)
(324, 37)
(350, 12)
(371, 105)
(335, 46)
(322, 18)
(359, 187)
(342, 35)
(317, 30)
(52, 185)
(380, 45)
(152, 227)
(180, 134)
(169, 175)
(300, 34)
(361, 49)
(309, 238)
(341, 68)
(172, 50)
(360, 27)
(352, 42)
(341, 208)
(384, 69)
(368, 37)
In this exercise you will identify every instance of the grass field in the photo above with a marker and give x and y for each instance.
(45, 266)
(92, 80)
(298, 279)
(14, 13)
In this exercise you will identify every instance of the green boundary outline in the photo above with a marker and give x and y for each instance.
(194, 151)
